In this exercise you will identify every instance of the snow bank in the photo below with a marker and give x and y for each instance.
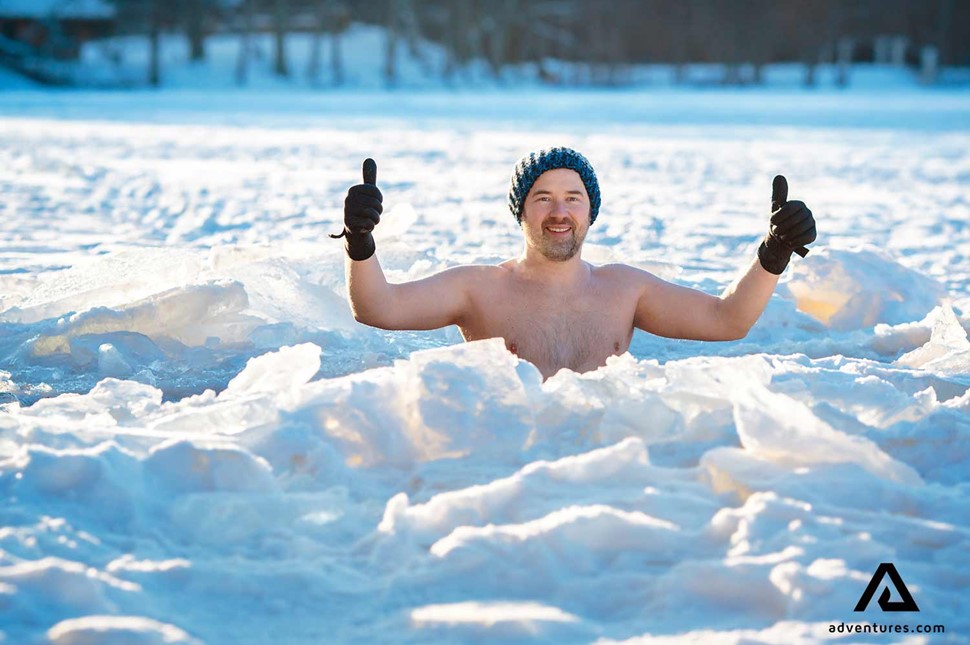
(948, 349)
(860, 288)
(452, 438)
(117, 630)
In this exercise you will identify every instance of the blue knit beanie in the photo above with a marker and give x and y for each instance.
(534, 164)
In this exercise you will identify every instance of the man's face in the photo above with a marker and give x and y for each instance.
(555, 218)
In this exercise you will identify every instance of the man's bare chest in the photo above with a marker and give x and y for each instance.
(578, 331)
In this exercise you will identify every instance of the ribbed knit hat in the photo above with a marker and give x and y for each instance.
(529, 168)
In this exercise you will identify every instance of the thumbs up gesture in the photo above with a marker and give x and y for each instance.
(362, 212)
(792, 227)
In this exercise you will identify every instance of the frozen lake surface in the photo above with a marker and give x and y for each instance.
(199, 444)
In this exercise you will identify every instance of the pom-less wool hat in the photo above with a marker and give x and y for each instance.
(534, 164)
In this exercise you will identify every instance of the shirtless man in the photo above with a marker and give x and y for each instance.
(552, 308)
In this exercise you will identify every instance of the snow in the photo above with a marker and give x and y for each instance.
(116, 630)
(198, 444)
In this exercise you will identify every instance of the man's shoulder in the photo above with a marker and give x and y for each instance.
(476, 274)
(479, 270)
(619, 271)
(626, 277)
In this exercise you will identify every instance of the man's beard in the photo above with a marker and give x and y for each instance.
(557, 250)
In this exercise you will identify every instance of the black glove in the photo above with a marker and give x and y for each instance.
(792, 227)
(362, 212)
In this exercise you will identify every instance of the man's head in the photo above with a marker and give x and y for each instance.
(555, 197)
(531, 167)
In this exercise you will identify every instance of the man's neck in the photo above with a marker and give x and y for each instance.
(567, 274)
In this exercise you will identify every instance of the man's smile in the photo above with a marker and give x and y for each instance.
(559, 230)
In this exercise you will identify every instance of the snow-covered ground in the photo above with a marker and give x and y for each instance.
(199, 444)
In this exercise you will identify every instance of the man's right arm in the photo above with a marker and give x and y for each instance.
(437, 301)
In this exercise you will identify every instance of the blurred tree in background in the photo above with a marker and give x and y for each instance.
(601, 38)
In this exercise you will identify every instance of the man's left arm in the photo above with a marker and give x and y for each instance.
(744, 300)
(673, 311)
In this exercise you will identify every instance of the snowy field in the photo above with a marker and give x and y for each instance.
(199, 444)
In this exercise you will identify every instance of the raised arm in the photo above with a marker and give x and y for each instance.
(437, 301)
(673, 311)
